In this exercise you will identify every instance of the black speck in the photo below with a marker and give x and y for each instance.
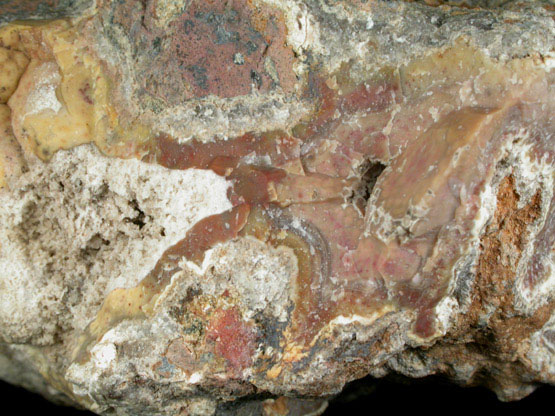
(157, 45)
(256, 79)
(482, 25)
(139, 220)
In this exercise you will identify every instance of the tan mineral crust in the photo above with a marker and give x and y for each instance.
(213, 207)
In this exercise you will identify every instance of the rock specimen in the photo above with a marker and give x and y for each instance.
(236, 207)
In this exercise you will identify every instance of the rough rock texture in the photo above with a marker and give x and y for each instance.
(236, 207)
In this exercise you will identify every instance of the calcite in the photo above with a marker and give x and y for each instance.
(214, 207)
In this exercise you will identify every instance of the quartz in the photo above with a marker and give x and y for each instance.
(214, 207)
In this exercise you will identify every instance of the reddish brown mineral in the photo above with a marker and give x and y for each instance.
(209, 201)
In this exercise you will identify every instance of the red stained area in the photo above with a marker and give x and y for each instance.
(344, 268)
(85, 92)
(366, 98)
(224, 48)
(335, 248)
(206, 233)
(234, 339)
(27, 7)
(252, 185)
(224, 154)
(425, 323)
(327, 99)
(311, 188)
(398, 263)
(369, 98)
(352, 269)
(205, 47)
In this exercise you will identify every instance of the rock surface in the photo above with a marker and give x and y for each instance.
(236, 207)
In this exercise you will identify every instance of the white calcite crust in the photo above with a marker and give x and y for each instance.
(76, 214)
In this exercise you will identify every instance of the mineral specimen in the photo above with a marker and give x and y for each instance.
(236, 207)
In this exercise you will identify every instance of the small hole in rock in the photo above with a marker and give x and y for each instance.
(139, 220)
(369, 173)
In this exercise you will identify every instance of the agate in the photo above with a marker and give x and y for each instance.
(237, 207)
